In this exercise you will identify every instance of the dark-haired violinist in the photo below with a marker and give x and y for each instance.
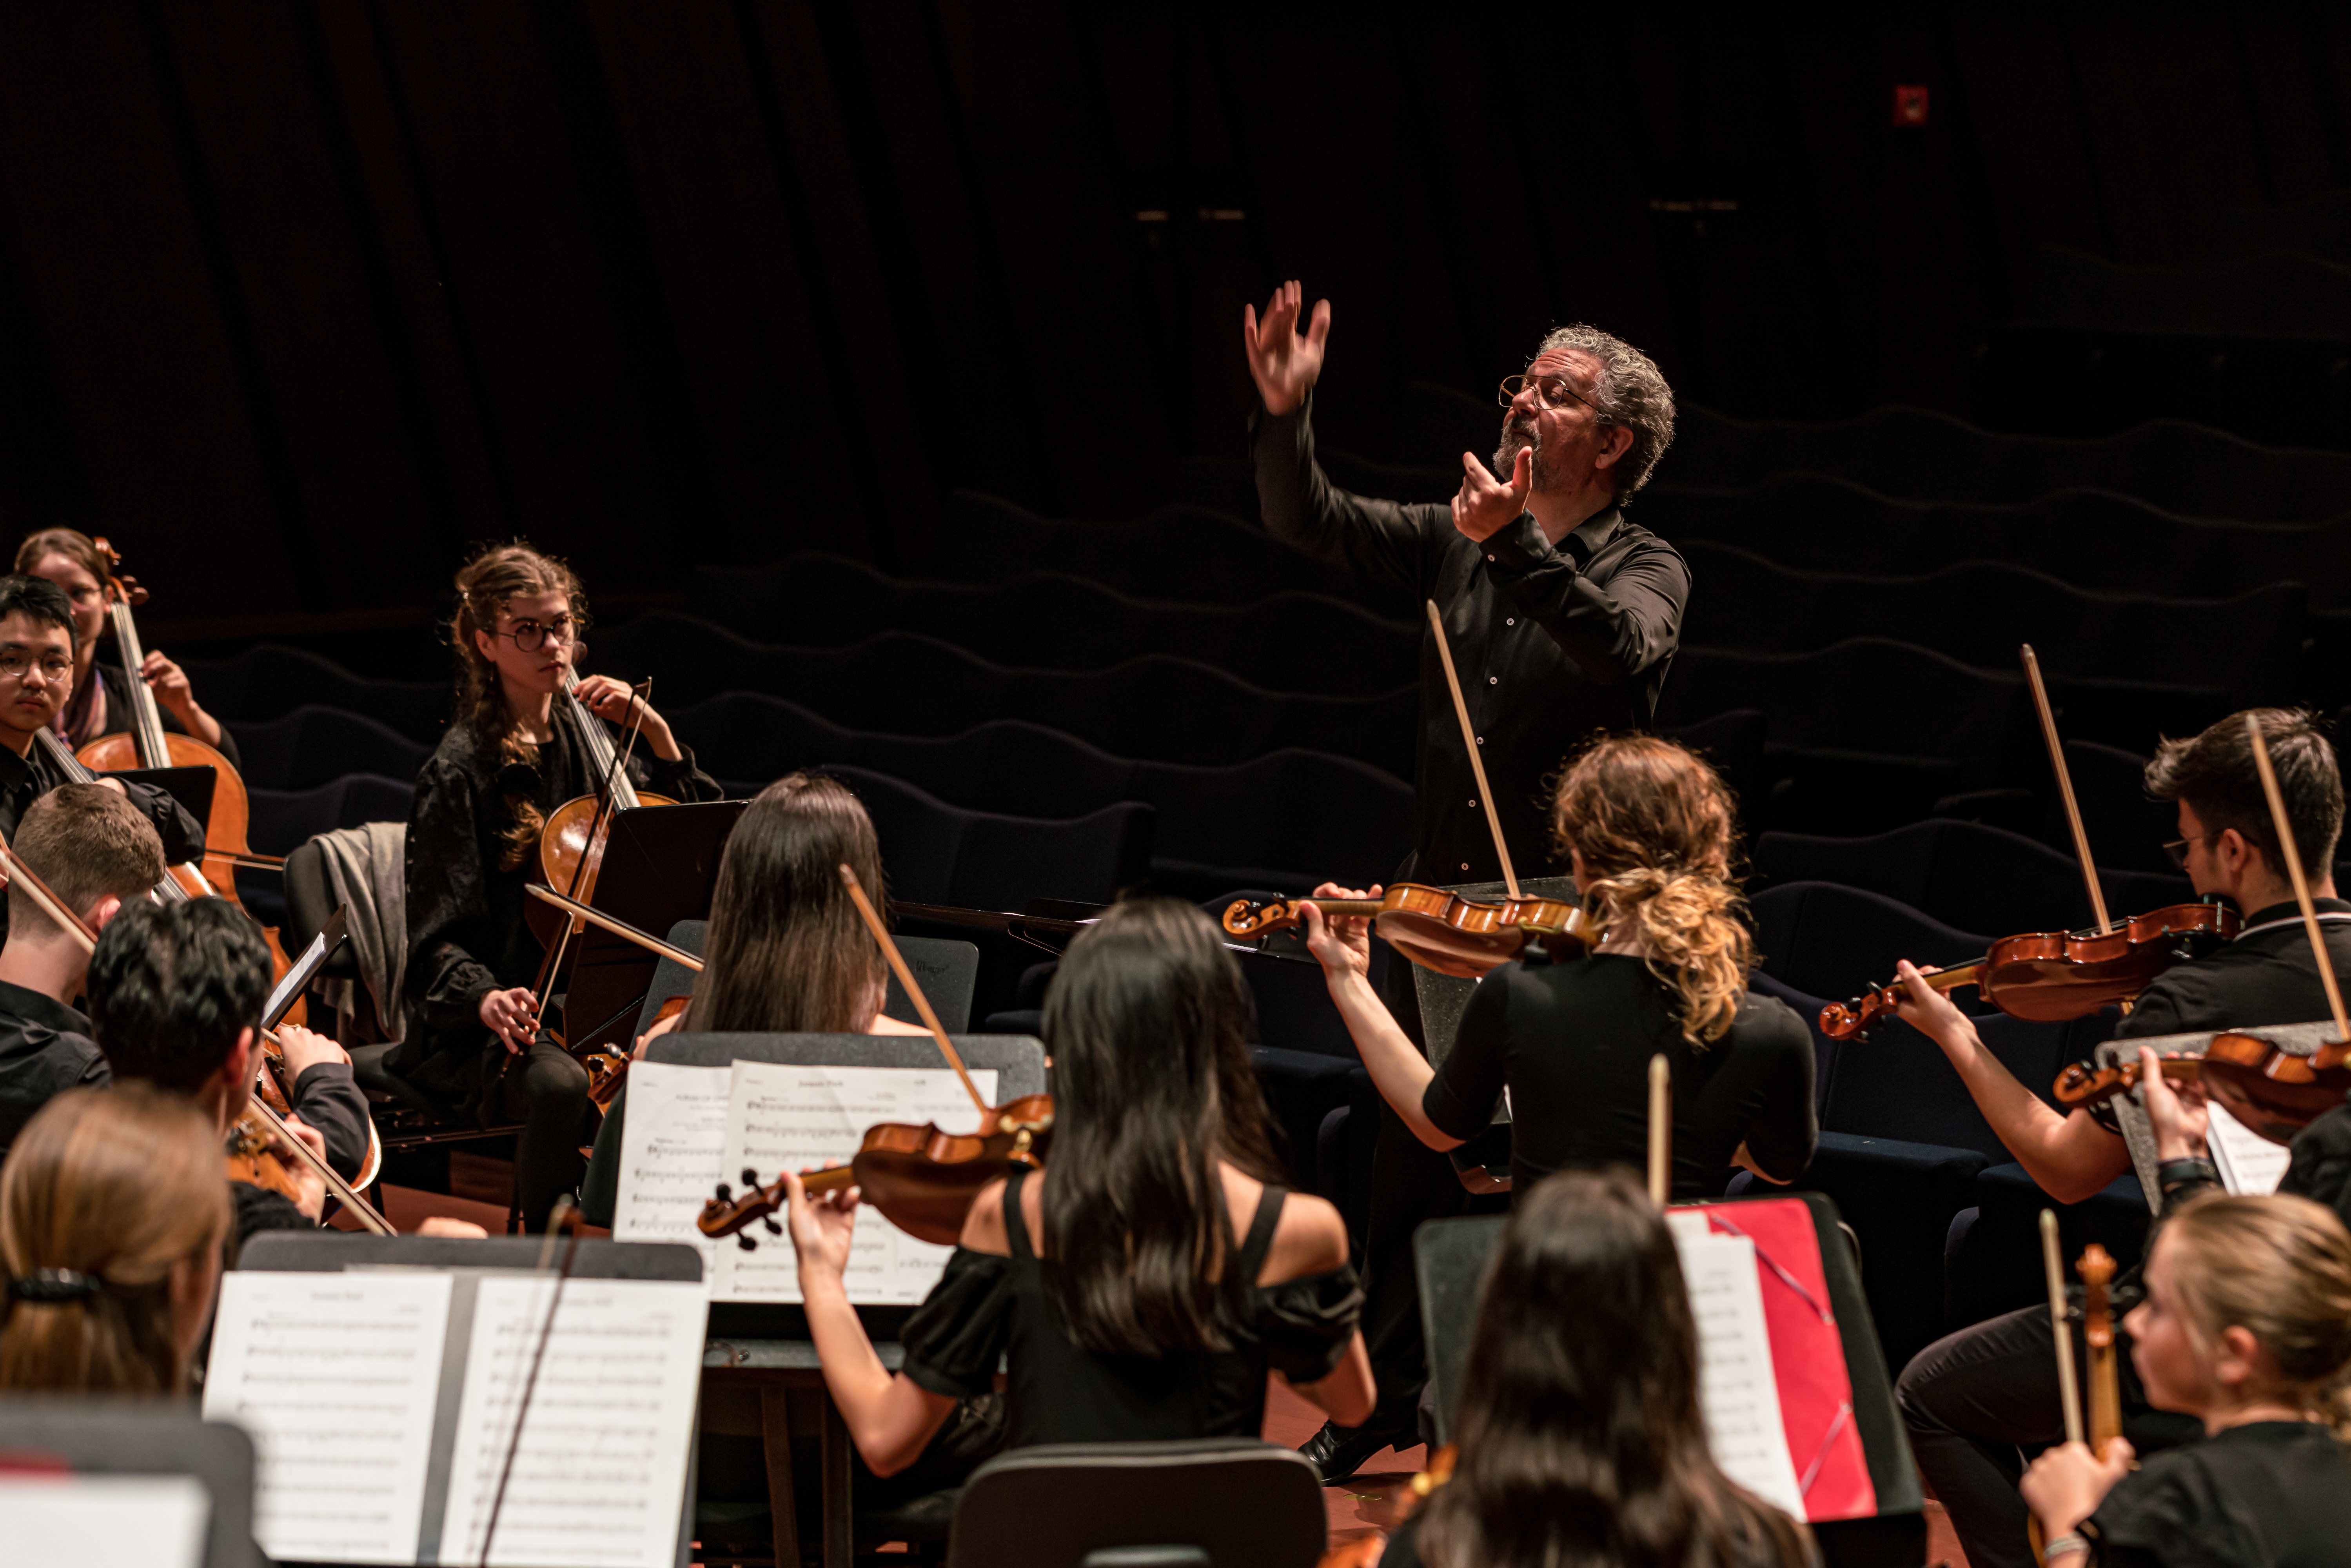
(1563, 616)
(1971, 1397)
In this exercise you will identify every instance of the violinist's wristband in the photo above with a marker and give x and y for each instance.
(2173, 1175)
(2062, 1546)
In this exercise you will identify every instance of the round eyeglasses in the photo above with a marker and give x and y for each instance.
(1553, 390)
(530, 636)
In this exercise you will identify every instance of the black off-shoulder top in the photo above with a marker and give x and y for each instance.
(988, 1308)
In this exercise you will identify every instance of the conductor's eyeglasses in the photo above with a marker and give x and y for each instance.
(1553, 390)
(530, 636)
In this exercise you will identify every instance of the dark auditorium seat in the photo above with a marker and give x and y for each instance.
(1186, 553)
(314, 745)
(271, 681)
(1928, 456)
(2069, 534)
(1960, 874)
(284, 817)
(1171, 709)
(2246, 647)
(1831, 941)
(1289, 641)
(938, 854)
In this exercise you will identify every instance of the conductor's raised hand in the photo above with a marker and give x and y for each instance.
(821, 1228)
(1483, 507)
(1284, 362)
(1341, 944)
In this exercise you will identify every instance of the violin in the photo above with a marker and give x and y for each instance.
(147, 744)
(253, 1159)
(2081, 1086)
(2050, 976)
(572, 843)
(923, 1180)
(1438, 929)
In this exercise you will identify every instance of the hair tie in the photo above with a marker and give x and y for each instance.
(54, 1286)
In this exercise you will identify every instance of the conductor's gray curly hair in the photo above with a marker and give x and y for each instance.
(1630, 392)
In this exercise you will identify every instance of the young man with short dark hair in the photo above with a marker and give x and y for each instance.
(36, 675)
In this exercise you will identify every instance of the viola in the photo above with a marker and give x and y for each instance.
(1438, 929)
(147, 744)
(571, 843)
(921, 1179)
(2048, 977)
(2272, 1090)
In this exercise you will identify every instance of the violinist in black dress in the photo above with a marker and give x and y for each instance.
(1563, 616)
(474, 1042)
(1144, 1283)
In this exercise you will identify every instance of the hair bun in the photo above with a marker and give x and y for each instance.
(54, 1286)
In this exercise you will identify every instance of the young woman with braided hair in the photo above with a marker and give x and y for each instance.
(511, 755)
(2246, 1327)
(1648, 829)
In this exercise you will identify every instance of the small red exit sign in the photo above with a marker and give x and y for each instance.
(1910, 105)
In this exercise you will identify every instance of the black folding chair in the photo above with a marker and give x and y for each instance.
(1215, 1503)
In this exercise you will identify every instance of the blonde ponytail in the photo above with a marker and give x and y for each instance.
(1655, 827)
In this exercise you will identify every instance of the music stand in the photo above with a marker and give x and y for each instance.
(1017, 1060)
(76, 1436)
(660, 866)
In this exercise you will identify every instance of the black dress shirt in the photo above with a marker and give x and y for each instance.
(45, 1050)
(2269, 1494)
(1552, 643)
(466, 934)
(2267, 976)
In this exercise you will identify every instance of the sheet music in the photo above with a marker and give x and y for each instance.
(2247, 1161)
(599, 1475)
(786, 1117)
(106, 1521)
(673, 1154)
(1738, 1391)
(336, 1377)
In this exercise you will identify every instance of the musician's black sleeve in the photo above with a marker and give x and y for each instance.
(183, 835)
(1301, 507)
(329, 1098)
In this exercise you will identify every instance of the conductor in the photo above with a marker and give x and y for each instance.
(1562, 618)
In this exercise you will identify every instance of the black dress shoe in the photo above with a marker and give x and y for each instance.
(1338, 1452)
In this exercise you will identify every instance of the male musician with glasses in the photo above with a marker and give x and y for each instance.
(1972, 1398)
(36, 675)
(1562, 617)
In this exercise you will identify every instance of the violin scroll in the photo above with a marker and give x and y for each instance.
(2081, 1086)
(728, 1215)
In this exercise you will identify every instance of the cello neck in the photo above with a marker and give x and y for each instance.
(70, 767)
(601, 756)
(146, 716)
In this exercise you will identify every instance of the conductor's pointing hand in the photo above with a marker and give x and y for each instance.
(1283, 361)
(1482, 508)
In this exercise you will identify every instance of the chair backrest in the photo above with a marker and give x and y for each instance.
(75, 1439)
(938, 854)
(947, 971)
(1829, 940)
(1216, 1502)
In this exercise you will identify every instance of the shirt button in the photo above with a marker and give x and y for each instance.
(1473, 805)
(1509, 620)
(1489, 558)
(1481, 741)
(1465, 866)
(1493, 680)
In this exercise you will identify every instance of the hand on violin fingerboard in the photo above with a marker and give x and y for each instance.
(1341, 943)
(2177, 1112)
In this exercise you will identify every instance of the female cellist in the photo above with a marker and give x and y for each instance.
(101, 700)
(510, 756)
(1143, 1286)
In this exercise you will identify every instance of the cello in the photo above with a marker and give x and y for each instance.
(147, 744)
(571, 843)
(921, 1179)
